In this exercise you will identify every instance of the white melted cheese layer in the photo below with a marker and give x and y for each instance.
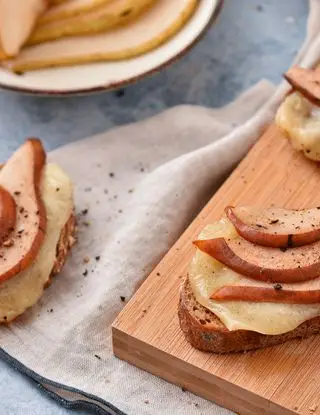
(25, 289)
(300, 120)
(207, 275)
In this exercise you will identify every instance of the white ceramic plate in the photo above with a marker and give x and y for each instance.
(95, 77)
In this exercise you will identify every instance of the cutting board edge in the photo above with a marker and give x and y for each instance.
(172, 369)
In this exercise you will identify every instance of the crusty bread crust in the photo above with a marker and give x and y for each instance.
(206, 332)
(66, 240)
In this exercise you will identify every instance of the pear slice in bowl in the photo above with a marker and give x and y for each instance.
(149, 31)
(70, 8)
(116, 13)
(17, 19)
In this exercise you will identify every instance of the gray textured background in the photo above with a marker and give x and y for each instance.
(251, 40)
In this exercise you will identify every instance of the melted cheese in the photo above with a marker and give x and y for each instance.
(300, 120)
(25, 289)
(208, 275)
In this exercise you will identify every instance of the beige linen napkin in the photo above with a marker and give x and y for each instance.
(142, 185)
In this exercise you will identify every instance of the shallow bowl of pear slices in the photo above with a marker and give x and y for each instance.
(73, 47)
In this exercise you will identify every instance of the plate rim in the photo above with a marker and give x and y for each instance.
(121, 84)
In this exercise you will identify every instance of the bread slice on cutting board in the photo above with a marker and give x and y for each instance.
(206, 332)
(225, 307)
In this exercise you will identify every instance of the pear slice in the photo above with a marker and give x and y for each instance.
(70, 8)
(21, 177)
(150, 30)
(266, 295)
(8, 212)
(306, 81)
(117, 13)
(262, 263)
(17, 19)
(276, 227)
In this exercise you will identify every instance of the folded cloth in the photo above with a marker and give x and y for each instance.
(142, 185)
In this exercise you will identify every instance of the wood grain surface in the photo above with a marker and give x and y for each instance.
(278, 380)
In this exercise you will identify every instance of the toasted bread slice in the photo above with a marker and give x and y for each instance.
(206, 332)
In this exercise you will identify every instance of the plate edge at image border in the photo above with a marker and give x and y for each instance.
(124, 83)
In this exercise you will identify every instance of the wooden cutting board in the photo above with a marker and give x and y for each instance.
(281, 380)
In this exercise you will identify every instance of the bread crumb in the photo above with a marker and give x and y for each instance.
(86, 259)
(313, 409)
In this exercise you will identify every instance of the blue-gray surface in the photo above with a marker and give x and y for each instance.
(251, 40)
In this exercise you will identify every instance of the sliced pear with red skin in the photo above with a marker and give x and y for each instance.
(266, 295)
(276, 227)
(262, 263)
(306, 81)
(21, 176)
(8, 213)
(150, 30)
